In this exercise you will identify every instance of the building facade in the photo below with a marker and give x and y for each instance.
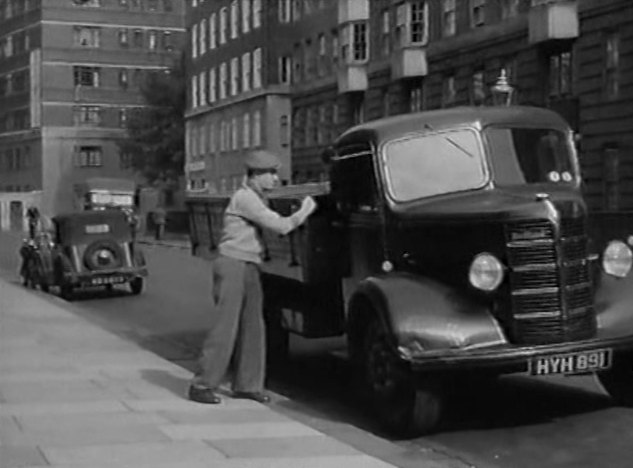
(238, 97)
(70, 74)
(348, 61)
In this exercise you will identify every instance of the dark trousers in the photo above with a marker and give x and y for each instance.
(159, 231)
(237, 328)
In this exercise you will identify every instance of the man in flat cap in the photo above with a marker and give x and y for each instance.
(238, 327)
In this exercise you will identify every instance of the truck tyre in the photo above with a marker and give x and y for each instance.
(136, 286)
(404, 406)
(618, 381)
(277, 339)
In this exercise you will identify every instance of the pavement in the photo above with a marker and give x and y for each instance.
(73, 394)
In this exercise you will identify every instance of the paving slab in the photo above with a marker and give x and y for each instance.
(236, 431)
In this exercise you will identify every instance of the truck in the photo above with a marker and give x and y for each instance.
(448, 244)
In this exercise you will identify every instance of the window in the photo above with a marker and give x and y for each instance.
(152, 40)
(125, 160)
(234, 19)
(152, 5)
(246, 15)
(257, 129)
(358, 109)
(167, 41)
(246, 130)
(194, 41)
(284, 11)
(385, 33)
(509, 9)
(202, 83)
(296, 10)
(257, 13)
(612, 65)
(449, 92)
(138, 38)
(321, 61)
(212, 86)
(124, 40)
(416, 96)
(86, 76)
(297, 61)
(321, 125)
(477, 13)
(478, 88)
(223, 81)
(202, 36)
(194, 91)
(223, 25)
(335, 47)
(354, 47)
(284, 131)
(86, 115)
(212, 33)
(84, 36)
(308, 59)
(411, 23)
(89, 3)
(560, 74)
(234, 133)
(257, 68)
(448, 17)
(235, 76)
(122, 118)
(123, 78)
(89, 156)
(167, 5)
(246, 71)
(285, 69)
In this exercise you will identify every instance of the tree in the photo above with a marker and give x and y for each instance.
(156, 132)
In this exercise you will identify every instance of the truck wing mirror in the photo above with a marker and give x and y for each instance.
(327, 154)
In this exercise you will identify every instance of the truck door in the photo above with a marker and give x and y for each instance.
(354, 187)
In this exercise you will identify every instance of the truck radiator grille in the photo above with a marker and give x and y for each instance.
(550, 283)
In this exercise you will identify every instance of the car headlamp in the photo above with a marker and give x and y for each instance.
(617, 259)
(486, 272)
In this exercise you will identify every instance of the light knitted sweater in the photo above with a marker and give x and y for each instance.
(246, 212)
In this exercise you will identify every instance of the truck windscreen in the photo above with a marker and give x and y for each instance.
(419, 166)
(531, 155)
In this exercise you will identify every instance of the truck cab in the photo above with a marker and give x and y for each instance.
(451, 243)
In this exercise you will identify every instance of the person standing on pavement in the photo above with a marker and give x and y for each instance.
(159, 217)
(238, 323)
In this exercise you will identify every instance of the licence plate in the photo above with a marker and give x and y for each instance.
(107, 280)
(572, 363)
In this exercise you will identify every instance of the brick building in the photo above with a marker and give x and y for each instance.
(348, 61)
(69, 76)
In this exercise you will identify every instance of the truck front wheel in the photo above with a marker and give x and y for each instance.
(618, 381)
(402, 404)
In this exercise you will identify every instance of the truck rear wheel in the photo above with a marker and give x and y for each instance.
(402, 405)
(136, 286)
(618, 381)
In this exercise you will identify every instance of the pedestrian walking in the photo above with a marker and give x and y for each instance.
(159, 216)
(33, 217)
(237, 329)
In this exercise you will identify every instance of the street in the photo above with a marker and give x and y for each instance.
(511, 422)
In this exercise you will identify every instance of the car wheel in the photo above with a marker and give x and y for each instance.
(67, 292)
(402, 405)
(618, 381)
(136, 285)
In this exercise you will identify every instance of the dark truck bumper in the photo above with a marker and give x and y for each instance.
(511, 359)
(105, 277)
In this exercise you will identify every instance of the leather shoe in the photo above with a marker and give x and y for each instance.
(204, 395)
(259, 397)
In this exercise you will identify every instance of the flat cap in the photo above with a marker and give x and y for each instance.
(262, 160)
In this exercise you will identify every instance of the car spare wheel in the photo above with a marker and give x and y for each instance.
(136, 285)
(403, 405)
(103, 255)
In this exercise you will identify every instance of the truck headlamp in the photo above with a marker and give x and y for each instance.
(486, 272)
(617, 259)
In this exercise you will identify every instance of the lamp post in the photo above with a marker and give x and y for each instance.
(502, 91)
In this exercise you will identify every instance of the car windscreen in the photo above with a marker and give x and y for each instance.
(531, 156)
(435, 163)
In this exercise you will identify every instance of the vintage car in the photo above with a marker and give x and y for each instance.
(87, 249)
(451, 244)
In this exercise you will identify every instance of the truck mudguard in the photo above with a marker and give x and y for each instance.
(431, 314)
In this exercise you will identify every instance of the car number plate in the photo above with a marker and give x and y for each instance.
(571, 363)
